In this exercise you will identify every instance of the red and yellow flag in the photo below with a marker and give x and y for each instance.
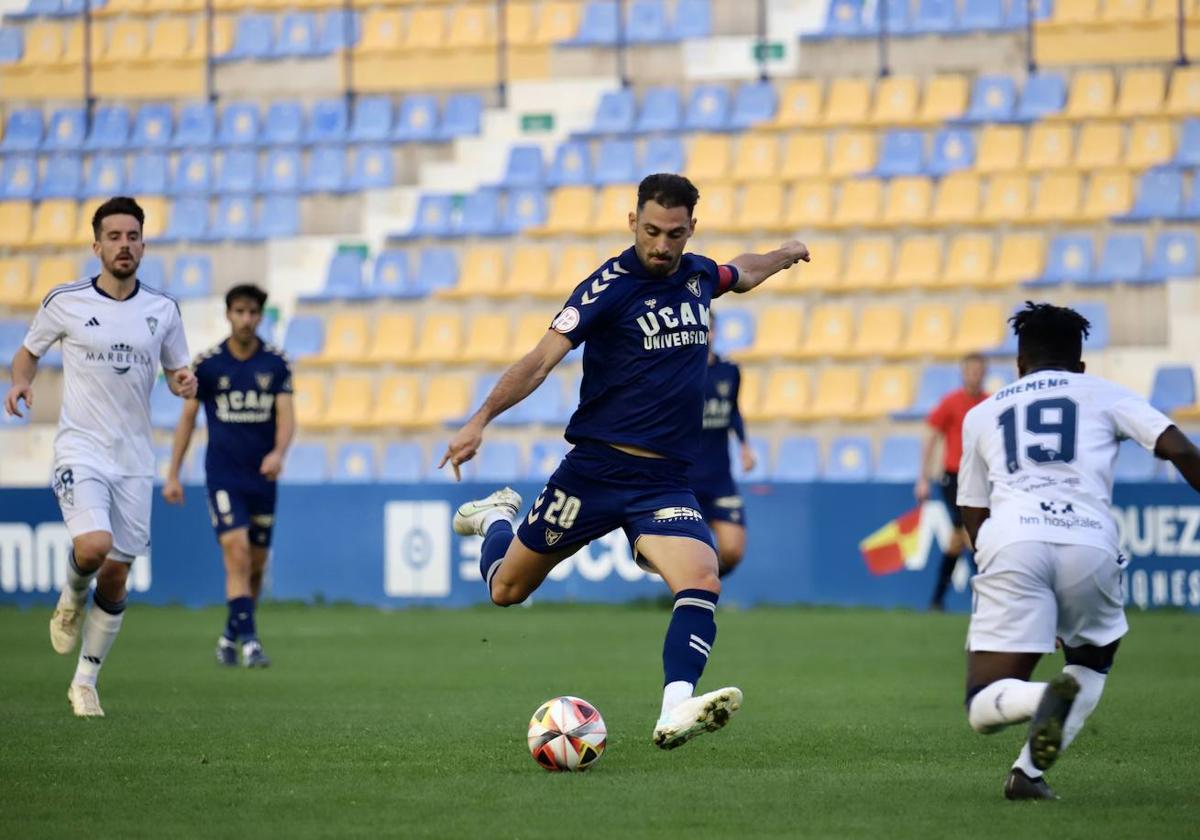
(887, 550)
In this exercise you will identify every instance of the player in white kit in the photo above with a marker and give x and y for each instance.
(114, 331)
(1035, 488)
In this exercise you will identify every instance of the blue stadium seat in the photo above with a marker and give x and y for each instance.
(307, 463)
(1097, 314)
(343, 279)
(693, 19)
(462, 116)
(354, 463)
(1174, 387)
(646, 22)
(899, 459)
(197, 126)
(1123, 260)
(298, 36)
(326, 171)
(525, 209)
(233, 219)
(992, 100)
(328, 121)
(238, 172)
(152, 127)
(546, 405)
(843, 19)
(338, 31)
(65, 132)
(953, 150)
(191, 277)
(735, 330)
(153, 271)
(936, 381)
(239, 125)
(23, 130)
(1135, 464)
(12, 45)
(981, 16)
(663, 154)
(1174, 257)
(616, 163)
(480, 214)
(305, 337)
(572, 164)
(1069, 260)
(62, 177)
(284, 125)
(149, 174)
(935, 17)
(12, 335)
(661, 110)
(598, 26)
(193, 174)
(165, 407)
(903, 153)
(1191, 206)
(1018, 13)
(105, 177)
(754, 103)
(188, 220)
(19, 176)
(499, 460)
(798, 459)
(373, 168)
(110, 128)
(282, 171)
(708, 109)
(1044, 94)
(371, 121)
(417, 120)
(614, 113)
(278, 217)
(544, 458)
(252, 38)
(524, 167)
(899, 17)
(390, 276)
(849, 460)
(402, 463)
(434, 216)
(437, 268)
(1159, 196)
(1187, 153)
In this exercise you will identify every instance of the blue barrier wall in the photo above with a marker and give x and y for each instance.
(392, 545)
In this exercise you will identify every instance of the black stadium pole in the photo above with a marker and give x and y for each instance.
(347, 52)
(621, 69)
(210, 24)
(89, 101)
(884, 70)
(1030, 45)
(761, 50)
(502, 53)
(1181, 34)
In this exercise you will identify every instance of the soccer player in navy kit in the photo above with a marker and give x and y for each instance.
(711, 475)
(245, 386)
(644, 316)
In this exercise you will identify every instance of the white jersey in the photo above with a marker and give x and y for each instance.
(111, 352)
(1040, 455)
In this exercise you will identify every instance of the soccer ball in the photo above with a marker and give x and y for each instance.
(567, 733)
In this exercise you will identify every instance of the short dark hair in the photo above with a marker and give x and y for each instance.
(974, 356)
(1048, 333)
(247, 291)
(118, 205)
(669, 191)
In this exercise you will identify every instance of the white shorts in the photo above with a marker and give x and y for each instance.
(1032, 592)
(92, 501)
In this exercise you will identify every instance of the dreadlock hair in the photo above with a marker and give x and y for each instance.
(1048, 334)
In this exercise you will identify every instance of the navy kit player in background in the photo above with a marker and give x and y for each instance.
(644, 317)
(245, 386)
(711, 475)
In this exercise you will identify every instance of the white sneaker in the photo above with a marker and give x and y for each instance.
(695, 716)
(85, 702)
(65, 623)
(469, 518)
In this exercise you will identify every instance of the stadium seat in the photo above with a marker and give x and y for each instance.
(307, 463)
(1007, 199)
(531, 327)
(373, 168)
(993, 99)
(869, 266)
(1143, 92)
(1091, 95)
(798, 460)
(936, 381)
(22, 130)
(945, 99)
(1159, 196)
(343, 279)
(544, 458)
(786, 394)
(528, 273)
(153, 271)
(237, 173)
(1135, 464)
(707, 109)
(957, 200)
(328, 122)
(981, 325)
(898, 21)
(398, 402)
(843, 19)
(575, 264)
(896, 100)
(350, 401)
(736, 332)
(417, 120)
(1058, 198)
(297, 36)
(1000, 149)
(447, 399)
(461, 116)
(848, 102)
(615, 113)
(899, 459)
(1151, 143)
(12, 45)
(709, 158)
(402, 463)
(889, 389)
(1097, 314)
(930, 331)
(1050, 146)
(192, 277)
(371, 121)
(480, 214)
(1044, 95)
(354, 463)
(969, 261)
(65, 131)
(860, 204)
(908, 202)
(109, 129)
(1069, 260)
(281, 171)
(481, 275)
(757, 157)
(804, 156)
(570, 211)
(304, 337)
(903, 153)
(572, 165)
(761, 208)
(800, 104)
(754, 104)
(233, 219)
(327, 170)
(16, 219)
(18, 177)
(830, 330)
(499, 461)
(598, 25)
(440, 339)
(616, 163)
(1100, 145)
(1174, 387)
(661, 111)
(524, 168)
(192, 174)
(105, 177)
(487, 338)
(837, 393)
(880, 329)
(918, 263)
(393, 338)
(953, 150)
(284, 123)
(253, 38)
(196, 128)
(692, 19)
(1020, 259)
(1184, 96)
(14, 283)
(778, 334)
(1109, 194)
(1122, 260)
(52, 272)
(239, 125)
(55, 223)
(309, 396)
(1175, 256)
(849, 459)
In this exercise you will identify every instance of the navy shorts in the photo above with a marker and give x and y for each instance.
(597, 489)
(950, 497)
(241, 507)
(727, 507)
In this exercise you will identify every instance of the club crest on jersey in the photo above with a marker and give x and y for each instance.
(263, 380)
(223, 383)
(723, 389)
(553, 537)
(693, 285)
(650, 303)
(152, 323)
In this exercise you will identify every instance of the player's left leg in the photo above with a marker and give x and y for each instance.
(731, 545)
(100, 630)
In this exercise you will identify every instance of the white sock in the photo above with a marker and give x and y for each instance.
(491, 518)
(1004, 702)
(675, 693)
(1024, 763)
(77, 582)
(1091, 686)
(100, 630)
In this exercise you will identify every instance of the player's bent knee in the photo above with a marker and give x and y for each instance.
(92, 549)
(1098, 659)
(112, 579)
(507, 595)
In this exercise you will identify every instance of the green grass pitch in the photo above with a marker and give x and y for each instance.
(412, 724)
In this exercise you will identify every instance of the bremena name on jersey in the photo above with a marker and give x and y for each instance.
(653, 322)
(1024, 387)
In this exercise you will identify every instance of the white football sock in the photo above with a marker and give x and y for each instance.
(77, 582)
(1091, 686)
(1024, 763)
(1004, 702)
(675, 693)
(100, 630)
(492, 517)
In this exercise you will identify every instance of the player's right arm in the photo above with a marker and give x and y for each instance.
(172, 488)
(24, 369)
(1174, 446)
(47, 328)
(974, 485)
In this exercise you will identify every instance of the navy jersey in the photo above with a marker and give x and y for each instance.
(239, 405)
(646, 355)
(711, 473)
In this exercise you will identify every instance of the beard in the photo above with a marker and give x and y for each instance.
(120, 271)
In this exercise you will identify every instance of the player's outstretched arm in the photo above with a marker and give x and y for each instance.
(517, 383)
(285, 430)
(1174, 446)
(172, 488)
(753, 269)
(24, 369)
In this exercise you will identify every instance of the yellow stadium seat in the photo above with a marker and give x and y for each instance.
(945, 99)
(395, 333)
(848, 102)
(481, 275)
(869, 265)
(122, 7)
(14, 281)
(800, 104)
(43, 43)
(447, 398)
(757, 157)
(715, 210)
(919, 263)
(969, 262)
(612, 211)
(531, 328)
(1091, 95)
(908, 201)
(957, 200)
(709, 157)
(471, 27)
(127, 41)
(518, 23)
(156, 210)
(1021, 258)
(1076, 11)
(1058, 197)
(382, 30)
(778, 335)
(896, 101)
(440, 339)
(16, 219)
(1110, 193)
(1143, 92)
(398, 401)
(1151, 143)
(575, 264)
(556, 22)
(830, 330)
(345, 339)
(786, 393)
(488, 337)
(50, 273)
(528, 273)
(1050, 147)
(723, 250)
(804, 156)
(570, 212)
(859, 203)
(981, 327)
(1007, 199)
(55, 222)
(1184, 96)
(837, 394)
(999, 149)
(762, 207)
(426, 29)
(880, 329)
(889, 389)
(930, 331)
(84, 235)
(824, 273)
(1099, 145)
(309, 399)
(1123, 11)
(351, 400)
(172, 41)
(750, 393)
(853, 153)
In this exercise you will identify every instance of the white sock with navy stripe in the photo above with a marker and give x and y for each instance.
(689, 641)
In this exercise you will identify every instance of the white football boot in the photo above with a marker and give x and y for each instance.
(85, 702)
(470, 516)
(65, 622)
(695, 716)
